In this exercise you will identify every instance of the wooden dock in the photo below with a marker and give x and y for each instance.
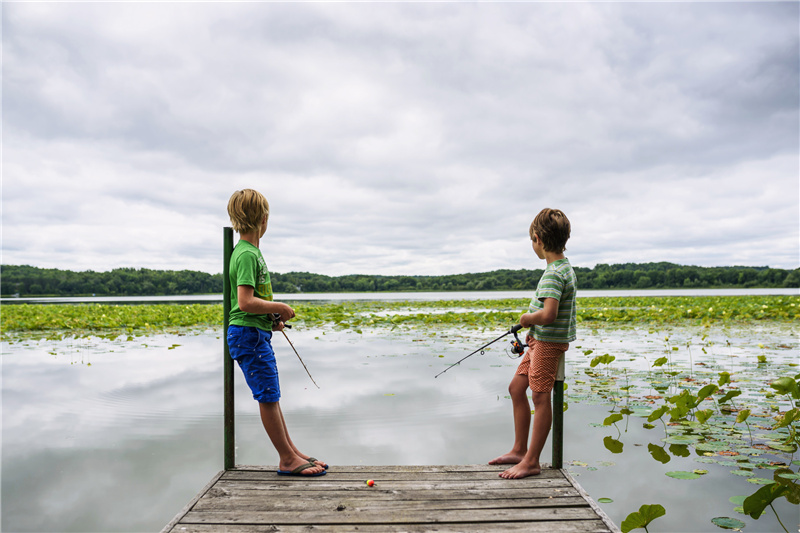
(404, 498)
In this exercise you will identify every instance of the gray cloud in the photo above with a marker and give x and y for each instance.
(401, 138)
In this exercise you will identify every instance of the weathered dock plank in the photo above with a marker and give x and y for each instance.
(404, 498)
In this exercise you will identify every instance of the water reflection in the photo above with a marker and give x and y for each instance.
(105, 435)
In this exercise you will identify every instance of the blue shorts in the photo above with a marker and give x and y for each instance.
(251, 348)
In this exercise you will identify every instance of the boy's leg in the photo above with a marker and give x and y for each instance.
(272, 419)
(542, 420)
(545, 358)
(289, 439)
(518, 389)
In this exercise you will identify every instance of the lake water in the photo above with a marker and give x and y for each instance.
(118, 435)
(402, 296)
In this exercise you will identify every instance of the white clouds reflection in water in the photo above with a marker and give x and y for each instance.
(107, 435)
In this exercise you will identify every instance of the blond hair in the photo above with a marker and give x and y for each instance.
(553, 228)
(247, 208)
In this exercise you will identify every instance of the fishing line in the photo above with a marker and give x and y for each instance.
(516, 346)
(276, 317)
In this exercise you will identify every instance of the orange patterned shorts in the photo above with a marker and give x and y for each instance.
(540, 363)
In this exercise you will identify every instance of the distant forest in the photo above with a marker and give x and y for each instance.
(27, 281)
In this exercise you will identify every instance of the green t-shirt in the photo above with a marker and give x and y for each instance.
(249, 268)
(558, 281)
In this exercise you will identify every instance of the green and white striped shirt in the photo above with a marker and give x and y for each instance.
(559, 282)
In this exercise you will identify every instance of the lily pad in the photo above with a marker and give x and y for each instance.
(712, 446)
(681, 439)
(682, 474)
(749, 451)
(727, 523)
(605, 500)
(707, 460)
(790, 448)
(760, 481)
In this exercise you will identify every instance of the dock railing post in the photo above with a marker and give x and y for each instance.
(227, 364)
(558, 416)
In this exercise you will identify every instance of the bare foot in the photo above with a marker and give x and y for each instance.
(508, 459)
(520, 471)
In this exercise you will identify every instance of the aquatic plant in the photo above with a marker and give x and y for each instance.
(642, 517)
(44, 319)
(702, 417)
(733, 417)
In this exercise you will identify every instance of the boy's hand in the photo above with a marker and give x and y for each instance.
(286, 313)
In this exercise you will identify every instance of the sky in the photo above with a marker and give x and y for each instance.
(400, 138)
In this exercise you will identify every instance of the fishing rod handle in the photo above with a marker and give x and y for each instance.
(515, 328)
(276, 317)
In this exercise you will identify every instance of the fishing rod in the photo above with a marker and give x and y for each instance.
(516, 346)
(277, 318)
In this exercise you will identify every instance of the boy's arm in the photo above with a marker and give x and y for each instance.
(256, 306)
(542, 317)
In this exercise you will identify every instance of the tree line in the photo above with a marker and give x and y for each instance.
(29, 281)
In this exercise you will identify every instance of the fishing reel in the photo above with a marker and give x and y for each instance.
(517, 346)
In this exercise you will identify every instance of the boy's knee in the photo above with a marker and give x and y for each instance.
(540, 397)
(518, 387)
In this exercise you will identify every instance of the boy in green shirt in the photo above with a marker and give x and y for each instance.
(552, 322)
(251, 325)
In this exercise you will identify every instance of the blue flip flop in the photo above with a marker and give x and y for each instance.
(297, 471)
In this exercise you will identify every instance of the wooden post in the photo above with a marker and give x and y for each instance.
(227, 364)
(558, 416)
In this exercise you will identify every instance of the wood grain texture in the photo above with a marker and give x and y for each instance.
(445, 498)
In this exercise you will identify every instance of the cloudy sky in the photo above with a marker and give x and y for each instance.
(400, 138)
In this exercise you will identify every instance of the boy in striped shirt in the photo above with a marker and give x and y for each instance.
(552, 322)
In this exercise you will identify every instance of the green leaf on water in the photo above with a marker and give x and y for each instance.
(742, 416)
(786, 385)
(612, 445)
(737, 500)
(706, 391)
(658, 413)
(712, 446)
(729, 395)
(682, 474)
(660, 361)
(642, 517)
(605, 500)
(679, 450)
(727, 523)
(788, 417)
(760, 481)
(755, 504)
(704, 415)
(616, 417)
(658, 453)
